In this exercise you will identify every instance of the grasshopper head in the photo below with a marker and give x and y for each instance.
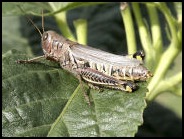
(52, 44)
(51, 41)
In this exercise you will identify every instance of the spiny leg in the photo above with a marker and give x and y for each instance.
(30, 60)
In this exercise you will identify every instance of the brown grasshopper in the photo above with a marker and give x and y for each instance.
(96, 67)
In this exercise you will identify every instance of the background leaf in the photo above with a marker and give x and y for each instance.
(10, 8)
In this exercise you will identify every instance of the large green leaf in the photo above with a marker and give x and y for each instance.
(41, 99)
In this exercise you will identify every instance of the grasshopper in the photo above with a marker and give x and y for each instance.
(98, 68)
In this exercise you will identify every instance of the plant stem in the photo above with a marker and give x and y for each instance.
(62, 22)
(143, 33)
(171, 22)
(130, 33)
(81, 30)
(168, 56)
(63, 25)
(166, 85)
(155, 32)
(164, 63)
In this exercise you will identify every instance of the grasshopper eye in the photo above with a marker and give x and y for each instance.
(45, 36)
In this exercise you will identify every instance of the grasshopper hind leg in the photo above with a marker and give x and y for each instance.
(99, 79)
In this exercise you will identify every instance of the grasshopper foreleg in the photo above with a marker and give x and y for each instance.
(30, 60)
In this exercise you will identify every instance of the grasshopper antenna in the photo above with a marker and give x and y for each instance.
(42, 22)
(32, 21)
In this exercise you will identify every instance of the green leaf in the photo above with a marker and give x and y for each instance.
(12, 8)
(35, 8)
(41, 99)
